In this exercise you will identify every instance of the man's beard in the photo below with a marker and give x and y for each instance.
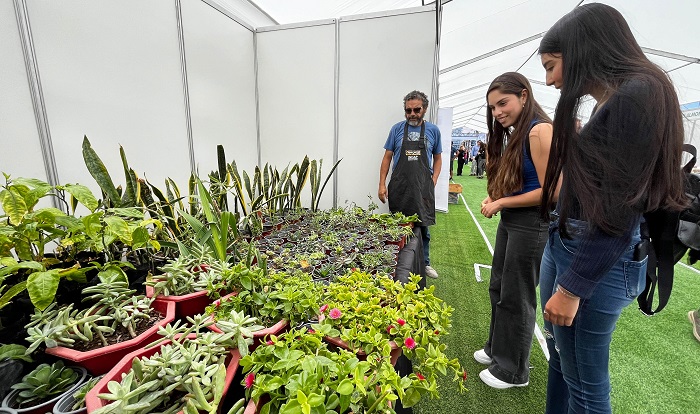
(415, 122)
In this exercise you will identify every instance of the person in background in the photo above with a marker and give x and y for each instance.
(415, 147)
(694, 317)
(461, 153)
(594, 263)
(472, 156)
(480, 160)
(520, 135)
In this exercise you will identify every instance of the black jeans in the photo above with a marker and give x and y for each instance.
(520, 241)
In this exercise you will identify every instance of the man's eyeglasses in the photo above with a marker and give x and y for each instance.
(415, 110)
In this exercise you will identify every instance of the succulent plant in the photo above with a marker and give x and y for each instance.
(188, 374)
(45, 382)
(115, 306)
(81, 392)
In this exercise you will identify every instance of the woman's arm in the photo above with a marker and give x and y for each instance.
(540, 143)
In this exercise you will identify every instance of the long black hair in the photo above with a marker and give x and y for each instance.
(599, 52)
(505, 167)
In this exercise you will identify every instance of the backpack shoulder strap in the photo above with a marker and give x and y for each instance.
(661, 228)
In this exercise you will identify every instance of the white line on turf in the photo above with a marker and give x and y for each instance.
(689, 267)
(477, 274)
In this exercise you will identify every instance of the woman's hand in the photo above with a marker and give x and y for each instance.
(490, 208)
(561, 309)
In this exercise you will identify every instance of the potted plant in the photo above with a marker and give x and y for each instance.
(378, 316)
(298, 373)
(275, 298)
(186, 371)
(192, 283)
(97, 337)
(40, 389)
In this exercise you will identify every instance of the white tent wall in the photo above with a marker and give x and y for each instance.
(111, 71)
(381, 60)
(219, 56)
(21, 155)
(296, 95)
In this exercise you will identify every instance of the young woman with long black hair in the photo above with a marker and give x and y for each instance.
(624, 162)
(520, 134)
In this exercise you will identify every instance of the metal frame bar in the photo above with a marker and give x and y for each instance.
(37, 95)
(215, 4)
(185, 84)
(336, 112)
(295, 25)
(257, 98)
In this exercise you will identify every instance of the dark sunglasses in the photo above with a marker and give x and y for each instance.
(415, 110)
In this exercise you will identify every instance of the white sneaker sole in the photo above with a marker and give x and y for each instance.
(494, 382)
(481, 357)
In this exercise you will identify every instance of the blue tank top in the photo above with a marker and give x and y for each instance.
(530, 180)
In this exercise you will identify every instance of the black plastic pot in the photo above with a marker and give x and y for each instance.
(46, 406)
(65, 404)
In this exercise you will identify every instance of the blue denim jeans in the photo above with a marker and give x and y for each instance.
(578, 378)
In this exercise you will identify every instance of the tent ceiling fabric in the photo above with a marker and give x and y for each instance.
(480, 40)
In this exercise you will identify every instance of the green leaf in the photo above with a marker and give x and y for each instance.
(14, 351)
(130, 194)
(42, 287)
(32, 265)
(345, 387)
(83, 195)
(12, 292)
(119, 227)
(14, 205)
(98, 171)
(411, 397)
(140, 238)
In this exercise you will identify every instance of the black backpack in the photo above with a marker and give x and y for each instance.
(671, 235)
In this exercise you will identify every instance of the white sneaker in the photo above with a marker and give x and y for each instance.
(482, 358)
(430, 272)
(494, 382)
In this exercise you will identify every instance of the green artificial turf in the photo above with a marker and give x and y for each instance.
(655, 361)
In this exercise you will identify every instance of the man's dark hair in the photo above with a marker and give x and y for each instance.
(416, 95)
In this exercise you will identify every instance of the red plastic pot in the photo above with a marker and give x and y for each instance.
(93, 402)
(394, 355)
(185, 305)
(100, 360)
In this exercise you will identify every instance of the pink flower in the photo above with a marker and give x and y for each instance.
(311, 331)
(410, 343)
(249, 380)
(323, 308)
(217, 303)
(464, 375)
(420, 376)
(270, 342)
(335, 313)
(401, 322)
(388, 328)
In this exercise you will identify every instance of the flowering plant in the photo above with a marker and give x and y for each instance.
(271, 297)
(369, 312)
(299, 373)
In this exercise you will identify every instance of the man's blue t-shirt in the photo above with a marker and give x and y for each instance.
(432, 133)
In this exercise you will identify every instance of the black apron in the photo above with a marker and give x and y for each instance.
(411, 189)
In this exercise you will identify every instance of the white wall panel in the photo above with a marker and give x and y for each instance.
(111, 71)
(21, 151)
(381, 60)
(296, 89)
(221, 79)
